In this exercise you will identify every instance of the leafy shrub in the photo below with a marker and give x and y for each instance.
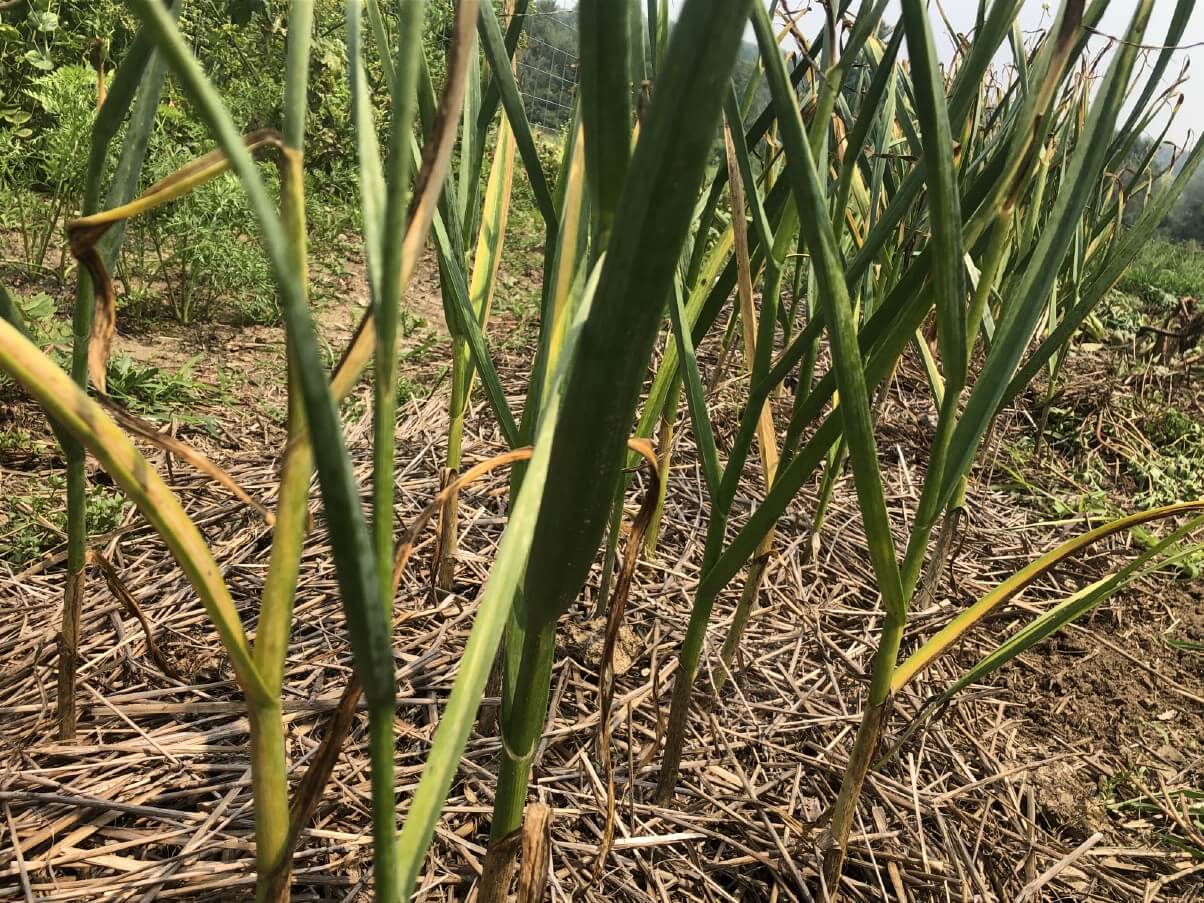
(206, 251)
(67, 98)
(44, 171)
(40, 36)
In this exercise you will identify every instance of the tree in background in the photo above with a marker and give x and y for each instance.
(1185, 222)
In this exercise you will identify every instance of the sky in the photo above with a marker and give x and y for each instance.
(1039, 14)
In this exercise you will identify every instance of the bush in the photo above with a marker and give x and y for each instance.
(43, 172)
(207, 251)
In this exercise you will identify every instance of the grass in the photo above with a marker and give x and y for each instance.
(1164, 268)
(1175, 814)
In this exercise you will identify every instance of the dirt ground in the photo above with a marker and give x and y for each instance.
(1076, 767)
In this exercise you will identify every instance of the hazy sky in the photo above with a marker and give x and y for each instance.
(1038, 14)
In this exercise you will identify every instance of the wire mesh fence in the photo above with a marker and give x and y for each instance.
(546, 67)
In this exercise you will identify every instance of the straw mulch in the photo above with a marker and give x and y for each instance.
(1006, 789)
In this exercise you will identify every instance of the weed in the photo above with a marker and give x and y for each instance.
(149, 389)
(1118, 318)
(1176, 469)
(1176, 814)
(48, 162)
(35, 520)
(14, 440)
(219, 262)
(1184, 645)
(1165, 268)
